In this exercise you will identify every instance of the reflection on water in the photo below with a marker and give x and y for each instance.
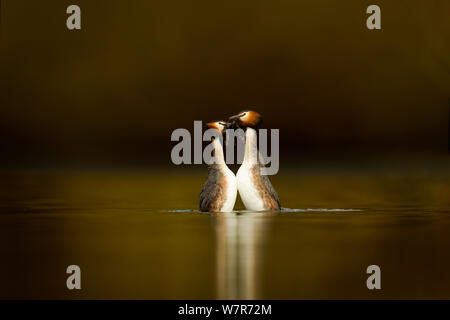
(138, 235)
(240, 239)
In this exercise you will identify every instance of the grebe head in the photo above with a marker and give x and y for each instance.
(218, 125)
(246, 119)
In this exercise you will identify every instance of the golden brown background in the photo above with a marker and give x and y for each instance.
(111, 94)
(114, 91)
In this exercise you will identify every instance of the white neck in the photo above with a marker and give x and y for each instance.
(251, 147)
(218, 152)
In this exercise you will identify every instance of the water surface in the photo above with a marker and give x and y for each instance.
(138, 234)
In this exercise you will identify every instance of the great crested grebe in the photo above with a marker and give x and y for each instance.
(220, 189)
(256, 191)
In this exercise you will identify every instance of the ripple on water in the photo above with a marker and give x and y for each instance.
(283, 210)
(319, 210)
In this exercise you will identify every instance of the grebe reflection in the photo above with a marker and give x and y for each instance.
(239, 253)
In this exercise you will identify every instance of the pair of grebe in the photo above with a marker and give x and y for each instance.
(221, 187)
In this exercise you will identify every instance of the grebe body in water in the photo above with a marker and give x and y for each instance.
(255, 189)
(220, 189)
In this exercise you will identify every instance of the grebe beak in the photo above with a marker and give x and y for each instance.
(235, 117)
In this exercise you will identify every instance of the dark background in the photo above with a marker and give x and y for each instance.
(113, 92)
(363, 119)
